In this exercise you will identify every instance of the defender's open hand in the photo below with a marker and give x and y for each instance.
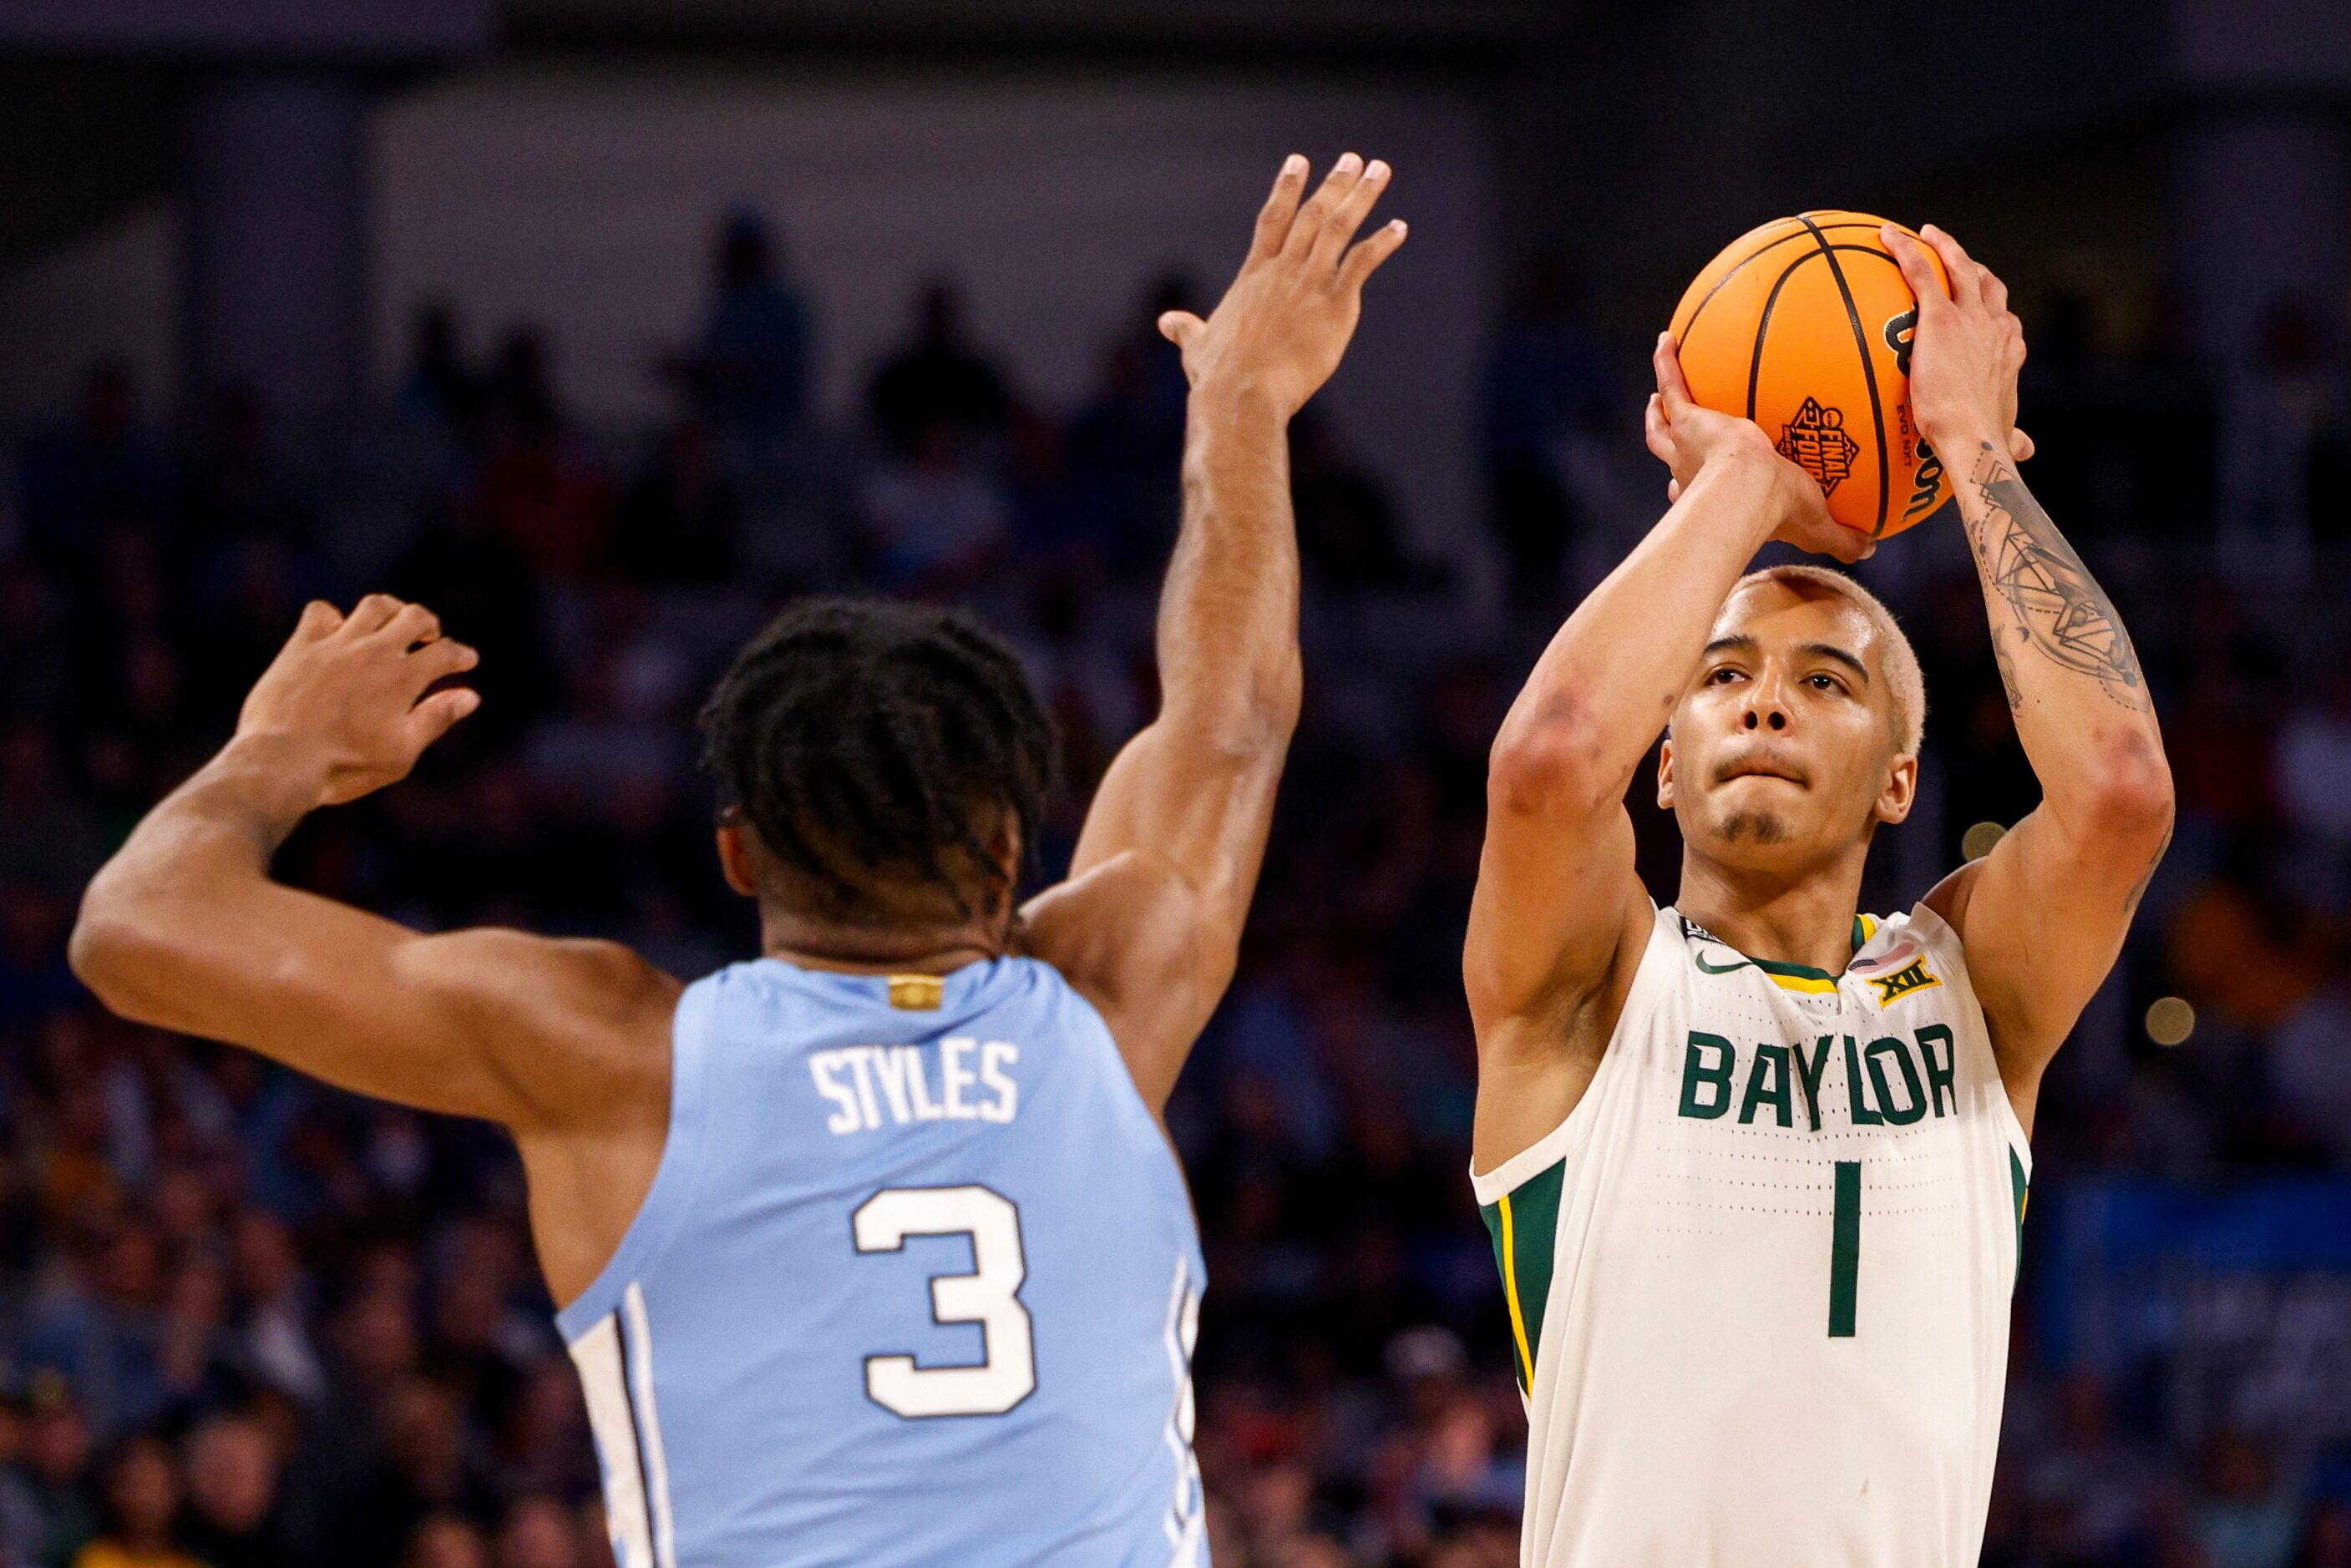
(1281, 326)
(348, 688)
(1685, 437)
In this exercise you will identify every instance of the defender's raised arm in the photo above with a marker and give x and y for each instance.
(2043, 915)
(1558, 916)
(185, 929)
(1176, 833)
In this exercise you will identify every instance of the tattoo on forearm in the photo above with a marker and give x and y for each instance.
(2060, 609)
(2007, 662)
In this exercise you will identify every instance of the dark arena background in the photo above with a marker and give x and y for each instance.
(603, 326)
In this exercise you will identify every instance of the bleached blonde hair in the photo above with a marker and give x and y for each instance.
(1906, 682)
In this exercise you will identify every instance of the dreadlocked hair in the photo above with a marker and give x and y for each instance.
(864, 737)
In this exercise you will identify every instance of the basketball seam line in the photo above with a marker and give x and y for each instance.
(1764, 327)
(1868, 374)
(1758, 253)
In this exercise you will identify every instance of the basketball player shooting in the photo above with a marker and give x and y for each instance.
(1756, 1162)
(873, 1249)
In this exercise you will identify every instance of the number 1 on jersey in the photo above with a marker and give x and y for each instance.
(1845, 1248)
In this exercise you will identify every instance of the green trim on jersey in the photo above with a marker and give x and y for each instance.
(1786, 976)
(2020, 1188)
(1524, 1224)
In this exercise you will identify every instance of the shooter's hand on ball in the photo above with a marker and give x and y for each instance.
(347, 695)
(1686, 438)
(1281, 326)
(1965, 354)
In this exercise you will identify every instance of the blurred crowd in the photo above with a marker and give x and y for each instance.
(246, 1321)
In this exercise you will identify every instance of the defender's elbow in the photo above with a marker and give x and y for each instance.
(100, 951)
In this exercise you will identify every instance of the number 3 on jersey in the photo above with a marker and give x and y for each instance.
(989, 1296)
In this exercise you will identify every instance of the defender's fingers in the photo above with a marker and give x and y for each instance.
(1365, 259)
(1348, 213)
(1178, 325)
(1916, 270)
(1333, 190)
(318, 619)
(371, 614)
(443, 656)
(1995, 292)
(2019, 445)
(1281, 206)
(1665, 360)
(433, 718)
(412, 624)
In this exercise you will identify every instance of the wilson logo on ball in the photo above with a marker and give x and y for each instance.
(1899, 332)
(1816, 441)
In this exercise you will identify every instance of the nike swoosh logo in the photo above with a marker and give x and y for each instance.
(1706, 968)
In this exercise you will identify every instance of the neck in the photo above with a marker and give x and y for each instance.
(877, 950)
(1803, 917)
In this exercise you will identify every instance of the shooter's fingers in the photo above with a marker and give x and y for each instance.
(1916, 270)
(1665, 360)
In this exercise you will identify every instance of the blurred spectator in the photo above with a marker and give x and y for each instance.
(937, 519)
(104, 465)
(235, 1519)
(681, 519)
(444, 1541)
(1547, 384)
(937, 378)
(541, 490)
(440, 386)
(1348, 534)
(142, 1500)
(2245, 1517)
(748, 375)
(539, 1532)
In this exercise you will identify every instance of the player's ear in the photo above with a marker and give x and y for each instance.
(1666, 773)
(1899, 791)
(734, 860)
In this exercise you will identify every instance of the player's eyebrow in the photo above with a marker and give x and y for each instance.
(1831, 650)
(1738, 642)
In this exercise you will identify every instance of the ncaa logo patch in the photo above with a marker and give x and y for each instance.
(1902, 983)
(1816, 441)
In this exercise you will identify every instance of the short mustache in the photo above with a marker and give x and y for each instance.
(1768, 763)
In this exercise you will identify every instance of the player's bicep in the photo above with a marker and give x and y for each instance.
(2042, 918)
(1135, 938)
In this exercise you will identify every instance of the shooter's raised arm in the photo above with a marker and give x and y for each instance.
(1177, 831)
(2043, 916)
(1559, 916)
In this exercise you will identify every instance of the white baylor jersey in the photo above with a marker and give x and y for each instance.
(1759, 1280)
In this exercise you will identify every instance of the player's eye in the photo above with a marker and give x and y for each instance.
(1827, 683)
(1722, 675)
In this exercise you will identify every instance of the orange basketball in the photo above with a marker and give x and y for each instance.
(1804, 326)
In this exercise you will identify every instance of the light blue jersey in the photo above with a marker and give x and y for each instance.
(917, 1284)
